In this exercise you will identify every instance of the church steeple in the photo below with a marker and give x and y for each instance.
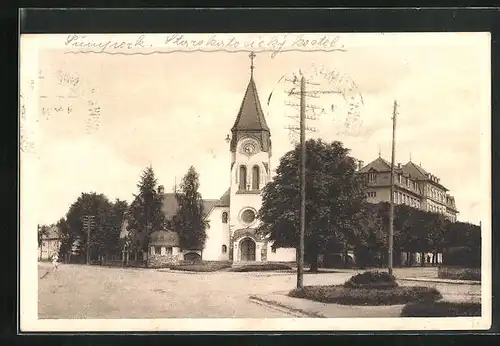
(250, 120)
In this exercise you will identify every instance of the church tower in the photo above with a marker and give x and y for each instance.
(250, 149)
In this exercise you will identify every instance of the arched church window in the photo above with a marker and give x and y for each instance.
(224, 248)
(255, 177)
(224, 217)
(243, 178)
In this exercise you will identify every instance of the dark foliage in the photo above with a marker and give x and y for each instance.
(371, 279)
(261, 267)
(441, 309)
(367, 296)
(202, 267)
(189, 222)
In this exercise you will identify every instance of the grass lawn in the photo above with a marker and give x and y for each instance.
(441, 309)
(339, 294)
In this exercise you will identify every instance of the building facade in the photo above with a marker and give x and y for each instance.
(413, 186)
(232, 234)
(49, 245)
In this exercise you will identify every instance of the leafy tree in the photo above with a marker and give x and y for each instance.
(67, 239)
(189, 221)
(371, 240)
(145, 214)
(334, 195)
(43, 231)
(104, 230)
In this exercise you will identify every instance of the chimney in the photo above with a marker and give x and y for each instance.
(360, 165)
(399, 165)
(161, 189)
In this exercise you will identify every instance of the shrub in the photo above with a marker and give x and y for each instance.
(441, 309)
(261, 267)
(201, 267)
(458, 273)
(462, 257)
(372, 279)
(367, 296)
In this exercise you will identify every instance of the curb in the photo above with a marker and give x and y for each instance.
(441, 281)
(283, 308)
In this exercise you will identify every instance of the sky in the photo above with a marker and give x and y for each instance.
(174, 110)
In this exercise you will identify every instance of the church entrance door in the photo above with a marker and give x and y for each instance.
(247, 247)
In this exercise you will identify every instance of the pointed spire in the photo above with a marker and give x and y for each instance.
(379, 152)
(410, 156)
(252, 56)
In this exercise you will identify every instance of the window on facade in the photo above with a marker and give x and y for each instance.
(255, 177)
(224, 248)
(243, 178)
(371, 177)
(399, 178)
(157, 250)
(372, 194)
(248, 216)
(224, 217)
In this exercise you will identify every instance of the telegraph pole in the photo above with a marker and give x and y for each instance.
(88, 221)
(300, 268)
(391, 206)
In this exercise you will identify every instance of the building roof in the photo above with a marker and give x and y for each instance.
(378, 165)
(250, 116)
(170, 205)
(164, 238)
(52, 233)
(415, 171)
(225, 200)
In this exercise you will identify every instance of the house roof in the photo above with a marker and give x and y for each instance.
(250, 116)
(52, 233)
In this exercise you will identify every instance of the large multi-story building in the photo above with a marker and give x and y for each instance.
(413, 186)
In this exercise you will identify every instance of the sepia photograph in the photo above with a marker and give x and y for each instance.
(273, 181)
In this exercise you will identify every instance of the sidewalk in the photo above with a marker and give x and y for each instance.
(307, 308)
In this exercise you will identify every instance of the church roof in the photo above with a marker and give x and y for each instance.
(250, 116)
(225, 200)
(170, 205)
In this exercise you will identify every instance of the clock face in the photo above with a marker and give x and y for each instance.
(249, 148)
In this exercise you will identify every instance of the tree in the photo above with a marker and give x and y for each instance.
(145, 214)
(334, 195)
(43, 231)
(67, 239)
(189, 220)
(104, 229)
(371, 239)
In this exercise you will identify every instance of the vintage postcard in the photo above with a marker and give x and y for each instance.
(255, 182)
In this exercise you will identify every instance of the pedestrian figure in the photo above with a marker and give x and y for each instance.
(54, 263)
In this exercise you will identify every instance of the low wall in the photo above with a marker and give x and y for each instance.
(459, 273)
(159, 261)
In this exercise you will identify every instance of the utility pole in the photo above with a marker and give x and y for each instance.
(391, 207)
(88, 222)
(300, 268)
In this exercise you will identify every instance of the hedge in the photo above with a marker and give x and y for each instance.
(261, 267)
(367, 296)
(441, 309)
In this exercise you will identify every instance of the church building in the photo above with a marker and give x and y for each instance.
(232, 233)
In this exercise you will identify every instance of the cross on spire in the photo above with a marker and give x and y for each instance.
(252, 56)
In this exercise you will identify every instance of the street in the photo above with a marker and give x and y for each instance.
(78, 292)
